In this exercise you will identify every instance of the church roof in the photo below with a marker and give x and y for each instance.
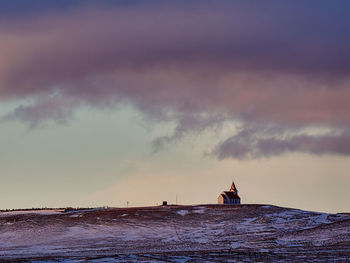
(231, 195)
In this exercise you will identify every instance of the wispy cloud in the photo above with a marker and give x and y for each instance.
(256, 144)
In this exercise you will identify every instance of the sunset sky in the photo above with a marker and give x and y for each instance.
(104, 102)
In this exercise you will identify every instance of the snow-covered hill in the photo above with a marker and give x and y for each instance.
(228, 233)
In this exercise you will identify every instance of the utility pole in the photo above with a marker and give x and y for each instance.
(127, 203)
(176, 198)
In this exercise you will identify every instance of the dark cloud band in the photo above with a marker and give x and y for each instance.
(200, 63)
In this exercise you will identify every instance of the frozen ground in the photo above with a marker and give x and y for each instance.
(206, 233)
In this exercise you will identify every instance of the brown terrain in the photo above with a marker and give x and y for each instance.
(210, 233)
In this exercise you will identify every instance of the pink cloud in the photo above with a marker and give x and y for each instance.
(200, 67)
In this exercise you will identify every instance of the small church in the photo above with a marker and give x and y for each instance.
(230, 197)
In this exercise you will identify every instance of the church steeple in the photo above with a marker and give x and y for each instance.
(233, 188)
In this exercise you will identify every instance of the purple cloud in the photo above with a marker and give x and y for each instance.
(284, 64)
(253, 145)
(42, 111)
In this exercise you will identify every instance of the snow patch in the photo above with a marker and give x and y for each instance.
(199, 210)
(236, 244)
(75, 215)
(182, 212)
(38, 212)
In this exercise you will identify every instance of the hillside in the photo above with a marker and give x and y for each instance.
(238, 233)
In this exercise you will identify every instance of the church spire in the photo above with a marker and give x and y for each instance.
(233, 188)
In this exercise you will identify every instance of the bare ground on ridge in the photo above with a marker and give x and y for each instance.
(211, 233)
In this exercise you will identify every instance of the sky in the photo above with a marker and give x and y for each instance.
(104, 103)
